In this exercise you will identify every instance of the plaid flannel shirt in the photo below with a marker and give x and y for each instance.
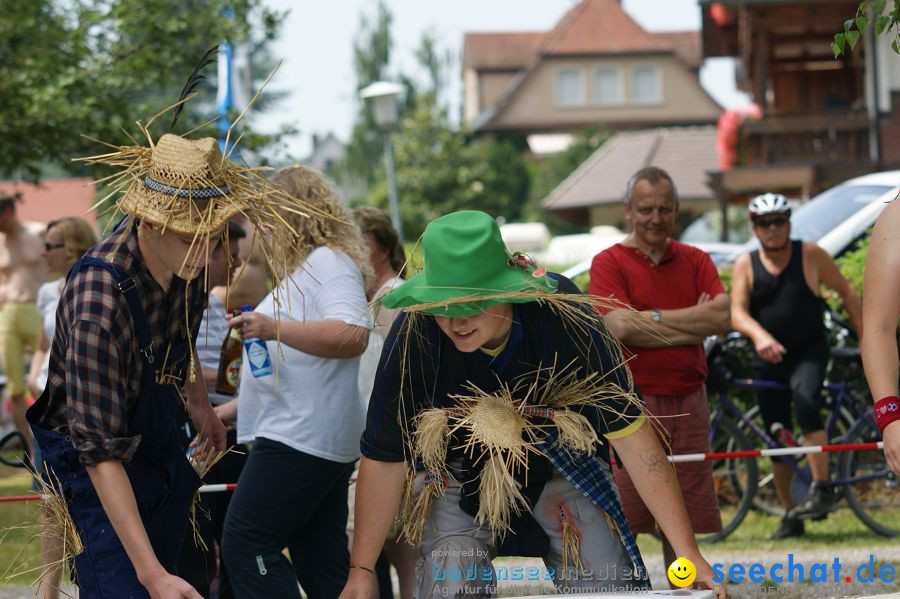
(94, 378)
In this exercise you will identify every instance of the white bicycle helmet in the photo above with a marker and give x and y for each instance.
(769, 203)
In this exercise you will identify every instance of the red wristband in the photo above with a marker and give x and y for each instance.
(887, 410)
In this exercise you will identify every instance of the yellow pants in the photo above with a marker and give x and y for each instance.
(20, 327)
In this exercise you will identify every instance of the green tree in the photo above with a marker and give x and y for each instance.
(371, 56)
(550, 173)
(79, 69)
(440, 170)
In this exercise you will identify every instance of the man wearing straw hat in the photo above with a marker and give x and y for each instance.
(499, 388)
(124, 346)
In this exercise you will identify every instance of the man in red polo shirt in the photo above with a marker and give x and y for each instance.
(680, 301)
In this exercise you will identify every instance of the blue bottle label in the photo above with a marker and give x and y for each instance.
(258, 357)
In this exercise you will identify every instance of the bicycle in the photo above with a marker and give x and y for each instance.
(12, 450)
(862, 477)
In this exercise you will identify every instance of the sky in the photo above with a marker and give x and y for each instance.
(316, 45)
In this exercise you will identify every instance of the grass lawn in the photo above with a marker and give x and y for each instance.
(19, 542)
(841, 529)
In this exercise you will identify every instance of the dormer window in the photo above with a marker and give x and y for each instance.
(646, 85)
(570, 89)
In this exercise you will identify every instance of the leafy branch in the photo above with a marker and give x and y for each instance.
(869, 13)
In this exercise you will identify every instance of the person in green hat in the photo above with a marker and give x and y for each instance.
(497, 397)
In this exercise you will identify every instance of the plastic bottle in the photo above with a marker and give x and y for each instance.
(257, 353)
(782, 434)
(230, 359)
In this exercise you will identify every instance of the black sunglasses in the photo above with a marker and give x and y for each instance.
(765, 223)
(53, 246)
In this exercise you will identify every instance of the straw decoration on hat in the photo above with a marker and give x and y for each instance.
(189, 186)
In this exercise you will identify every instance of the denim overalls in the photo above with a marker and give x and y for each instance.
(162, 479)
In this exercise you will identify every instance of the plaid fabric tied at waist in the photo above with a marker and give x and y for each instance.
(592, 476)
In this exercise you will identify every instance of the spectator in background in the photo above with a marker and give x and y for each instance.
(22, 271)
(881, 309)
(680, 301)
(388, 261)
(776, 302)
(67, 239)
(196, 565)
(304, 417)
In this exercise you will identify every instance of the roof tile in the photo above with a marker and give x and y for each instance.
(53, 198)
(686, 153)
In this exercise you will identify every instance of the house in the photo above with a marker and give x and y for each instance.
(823, 120)
(53, 198)
(594, 192)
(596, 68)
(327, 152)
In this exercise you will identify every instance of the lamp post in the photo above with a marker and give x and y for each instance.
(384, 97)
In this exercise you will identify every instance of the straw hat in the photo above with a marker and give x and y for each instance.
(187, 186)
(468, 269)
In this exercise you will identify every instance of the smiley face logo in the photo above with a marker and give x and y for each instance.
(682, 572)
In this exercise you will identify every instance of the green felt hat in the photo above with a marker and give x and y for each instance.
(468, 269)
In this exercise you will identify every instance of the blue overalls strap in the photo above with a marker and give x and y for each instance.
(129, 289)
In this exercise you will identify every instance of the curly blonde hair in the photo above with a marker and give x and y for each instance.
(332, 227)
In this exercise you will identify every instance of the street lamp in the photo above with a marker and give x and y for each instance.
(384, 97)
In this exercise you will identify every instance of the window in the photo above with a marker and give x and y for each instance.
(569, 88)
(608, 86)
(645, 85)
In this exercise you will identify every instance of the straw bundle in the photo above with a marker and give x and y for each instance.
(571, 548)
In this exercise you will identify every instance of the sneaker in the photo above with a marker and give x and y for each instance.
(789, 527)
(817, 505)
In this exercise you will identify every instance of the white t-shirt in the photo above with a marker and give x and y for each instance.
(314, 408)
(47, 302)
(368, 362)
(213, 330)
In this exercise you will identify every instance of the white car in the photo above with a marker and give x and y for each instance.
(836, 218)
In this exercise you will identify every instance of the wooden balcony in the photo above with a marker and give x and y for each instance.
(810, 137)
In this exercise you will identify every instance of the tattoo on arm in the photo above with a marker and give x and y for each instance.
(656, 463)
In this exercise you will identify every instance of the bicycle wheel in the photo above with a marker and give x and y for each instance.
(734, 480)
(875, 495)
(766, 497)
(12, 450)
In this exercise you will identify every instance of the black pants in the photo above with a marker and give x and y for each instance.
(286, 498)
(804, 372)
(195, 565)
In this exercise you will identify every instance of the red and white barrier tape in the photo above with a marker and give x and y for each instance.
(204, 489)
(780, 451)
(686, 457)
